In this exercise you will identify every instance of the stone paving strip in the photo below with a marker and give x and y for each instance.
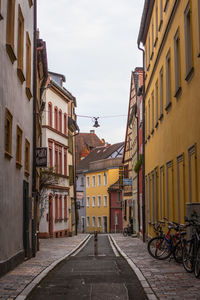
(167, 279)
(51, 252)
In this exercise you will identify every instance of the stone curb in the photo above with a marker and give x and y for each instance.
(26, 291)
(147, 288)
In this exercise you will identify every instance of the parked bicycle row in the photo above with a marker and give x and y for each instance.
(177, 243)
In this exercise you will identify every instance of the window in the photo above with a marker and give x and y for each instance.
(65, 124)
(87, 181)
(168, 81)
(105, 180)
(156, 104)
(166, 5)
(88, 221)
(65, 161)
(188, 42)
(180, 204)
(161, 15)
(56, 159)
(56, 207)
(169, 191)
(98, 201)
(98, 222)
(27, 157)
(20, 46)
(19, 147)
(1, 17)
(152, 39)
(161, 94)
(50, 144)
(60, 120)
(93, 222)
(162, 194)
(10, 29)
(50, 114)
(93, 181)
(156, 25)
(93, 201)
(177, 64)
(56, 118)
(65, 208)
(70, 143)
(60, 159)
(60, 207)
(192, 171)
(28, 68)
(105, 201)
(152, 112)
(82, 181)
(71, 175)
(88, 201)
(8, 134)
(99, 180)
(148, 119)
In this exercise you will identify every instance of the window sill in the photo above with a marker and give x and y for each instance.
(26, 173)
(161, 117)
(30, 2)
(20, 75)
(178, 92)
(167, 107)
(18, 165)
(28, 93)
(8, 155)
(189, 74)
(160, 25)
(11, 53)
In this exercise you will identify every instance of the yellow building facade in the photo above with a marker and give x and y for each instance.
(97, 198)
(170, 33)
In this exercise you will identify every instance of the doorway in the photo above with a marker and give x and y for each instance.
(26, 242)
(105, 230)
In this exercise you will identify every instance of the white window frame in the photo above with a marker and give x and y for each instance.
(87, 181)
(87, 221)
(93, 221)
(93, 180)
(105, 179)
(98, 201)
(93, 201)
(99, 179)
(88, 201)
(105, 200)
(98, 222)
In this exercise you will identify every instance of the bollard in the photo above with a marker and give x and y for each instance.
(95, 243)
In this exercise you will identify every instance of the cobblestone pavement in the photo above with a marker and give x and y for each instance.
(51, 250)
(167, 279)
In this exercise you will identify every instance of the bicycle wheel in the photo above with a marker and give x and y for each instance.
(163, 250)
(125, 231)
(178, 252)
(188, 259)
(157, 247)
(197, 264)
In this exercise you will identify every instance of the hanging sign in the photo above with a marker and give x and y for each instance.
(41, 157)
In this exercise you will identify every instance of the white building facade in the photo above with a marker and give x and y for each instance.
(56, 203)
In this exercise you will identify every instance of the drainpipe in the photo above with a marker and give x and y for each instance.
(143, 149)
(74, 160)
(34, 221)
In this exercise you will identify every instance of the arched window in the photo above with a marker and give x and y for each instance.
(65, 124)
(60, 120)
(56, 118)
(50, 114)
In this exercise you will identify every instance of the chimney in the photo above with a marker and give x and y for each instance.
(92, 131)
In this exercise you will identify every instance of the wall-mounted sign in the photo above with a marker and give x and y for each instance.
(79, 195)
(41, 157)
(127, 181)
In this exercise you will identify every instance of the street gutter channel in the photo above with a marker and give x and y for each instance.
(26, 291)
(147, 288)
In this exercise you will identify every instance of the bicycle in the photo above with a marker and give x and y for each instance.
(127, 230)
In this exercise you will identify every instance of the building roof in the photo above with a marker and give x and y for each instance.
(144, 24)
(114, 187)
(99, 153)
(85, 143)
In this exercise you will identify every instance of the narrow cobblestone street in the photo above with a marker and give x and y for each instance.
(167, 279)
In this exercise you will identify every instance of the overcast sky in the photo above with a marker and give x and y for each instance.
(94, 44)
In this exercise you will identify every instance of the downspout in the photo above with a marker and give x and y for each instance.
(34, 221)
(143, 148)
(138, 174)
(74, 160)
